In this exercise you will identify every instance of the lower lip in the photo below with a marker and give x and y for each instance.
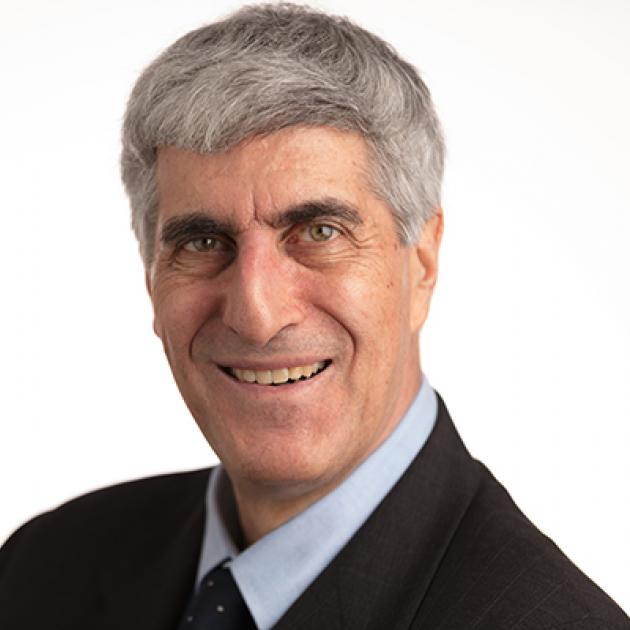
(283, 389)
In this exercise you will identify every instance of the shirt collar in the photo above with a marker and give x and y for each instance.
(303, 546)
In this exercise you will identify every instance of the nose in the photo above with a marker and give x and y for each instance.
(261, 294)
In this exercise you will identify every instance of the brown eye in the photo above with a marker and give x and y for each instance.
(205, 244)
(321, 232)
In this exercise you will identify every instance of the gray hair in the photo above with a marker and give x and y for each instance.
(270, 66)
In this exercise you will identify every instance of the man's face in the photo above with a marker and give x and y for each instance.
(275, 259)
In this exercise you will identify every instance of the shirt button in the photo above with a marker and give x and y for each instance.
(220, 608)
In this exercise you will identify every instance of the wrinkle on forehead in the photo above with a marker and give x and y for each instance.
(264, 175)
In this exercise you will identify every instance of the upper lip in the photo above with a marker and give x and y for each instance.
(269, 364)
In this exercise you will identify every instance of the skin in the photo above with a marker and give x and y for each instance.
(268, 273)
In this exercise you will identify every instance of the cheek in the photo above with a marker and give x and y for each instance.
(180, 308)
(370, 306)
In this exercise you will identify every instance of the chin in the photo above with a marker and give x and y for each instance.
(289, 465)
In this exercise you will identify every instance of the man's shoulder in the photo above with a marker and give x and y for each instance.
(501, 571)
(448, 549)
(130, 516)
(117, 507)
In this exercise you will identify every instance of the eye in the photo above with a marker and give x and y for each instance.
(321, 232)
(203, 244)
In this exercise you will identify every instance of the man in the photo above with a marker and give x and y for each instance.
(284, 174)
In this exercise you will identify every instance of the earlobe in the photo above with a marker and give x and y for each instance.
(428, 248)
(424, 268)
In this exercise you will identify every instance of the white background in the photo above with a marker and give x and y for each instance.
(529, 337)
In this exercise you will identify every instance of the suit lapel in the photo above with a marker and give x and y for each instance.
(381, 576)
(151, 584)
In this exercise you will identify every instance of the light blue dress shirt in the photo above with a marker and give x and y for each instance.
(273, 572)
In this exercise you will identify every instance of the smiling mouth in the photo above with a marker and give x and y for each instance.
(282, 376)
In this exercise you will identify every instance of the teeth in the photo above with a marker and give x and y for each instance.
(283, 375)
(280, 376)
(264, 377)
(295, 373)
(248, 375)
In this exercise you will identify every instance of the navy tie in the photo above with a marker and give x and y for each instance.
(217, 604)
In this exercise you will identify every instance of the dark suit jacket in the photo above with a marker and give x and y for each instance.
(446, 549)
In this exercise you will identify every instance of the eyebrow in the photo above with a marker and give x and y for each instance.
(327, 208)
(186, 226)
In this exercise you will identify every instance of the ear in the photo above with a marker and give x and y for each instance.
(149, 286)
(423, 268)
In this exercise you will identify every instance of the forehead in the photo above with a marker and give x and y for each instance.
(264, 175)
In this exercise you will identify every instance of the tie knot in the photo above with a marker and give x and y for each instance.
(218, 603)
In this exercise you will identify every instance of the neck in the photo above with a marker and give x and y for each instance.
(261, 512)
